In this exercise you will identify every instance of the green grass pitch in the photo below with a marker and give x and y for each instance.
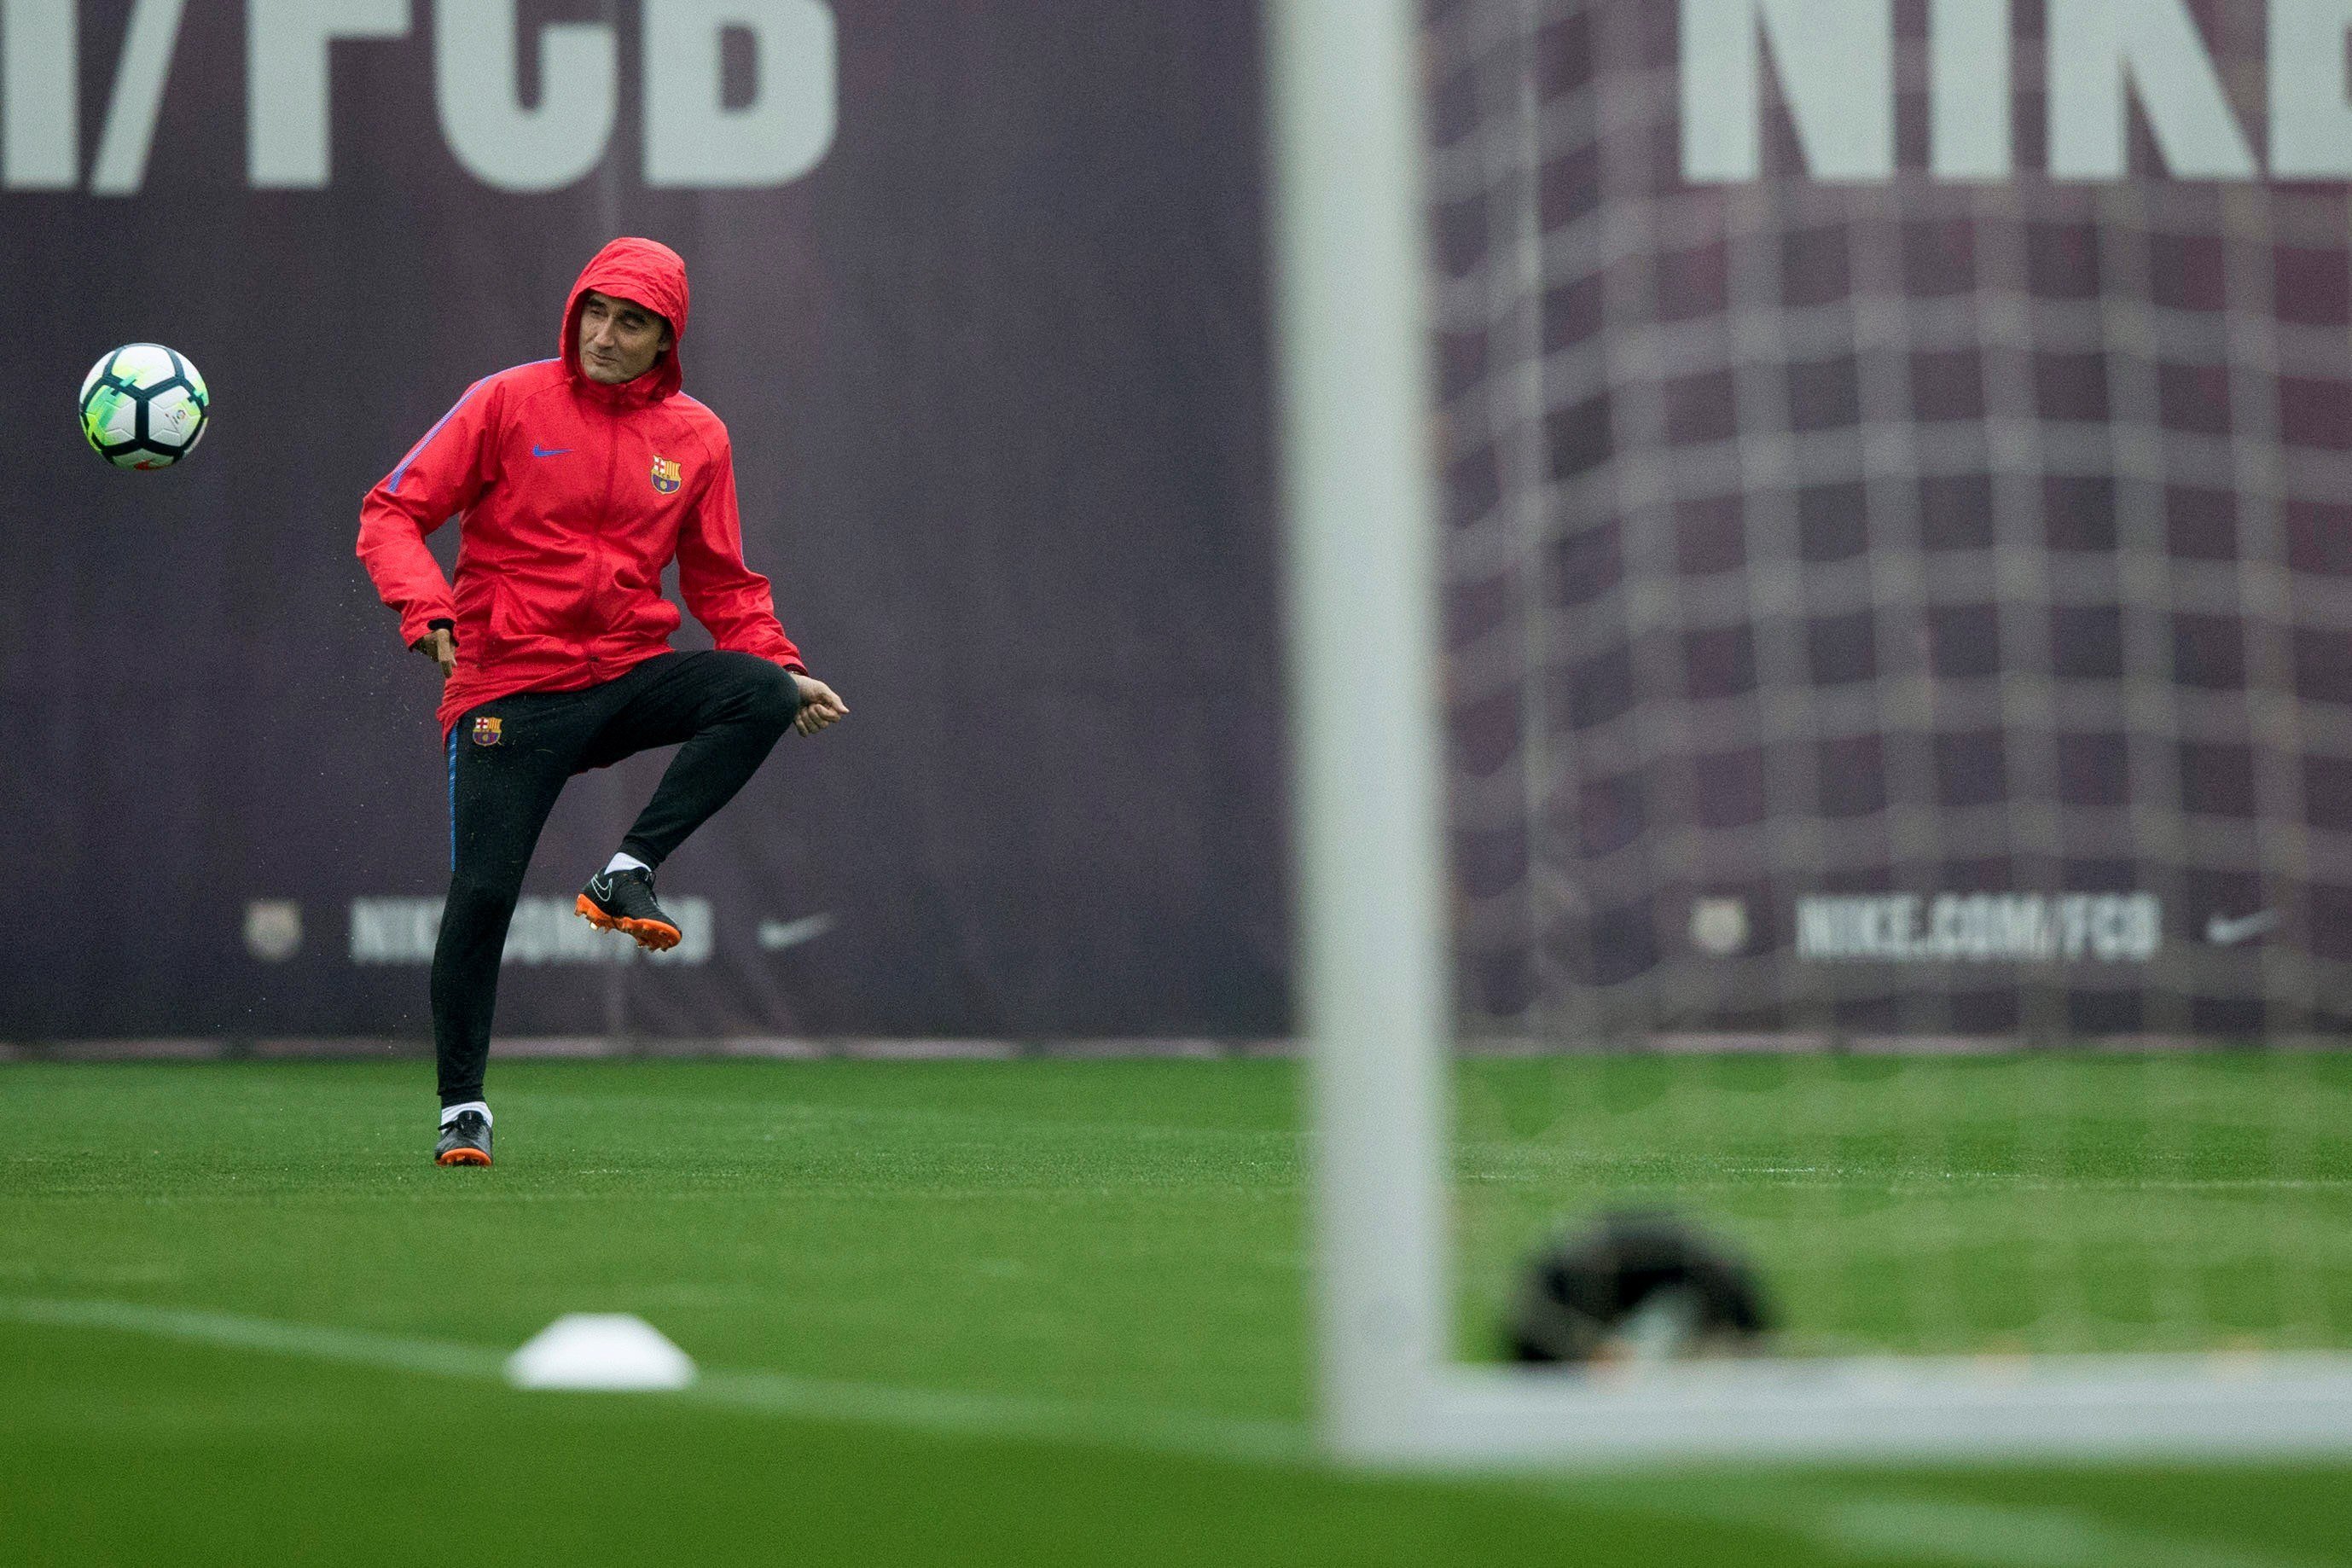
(1047, 1312)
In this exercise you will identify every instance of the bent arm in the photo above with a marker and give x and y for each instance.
(726, 596)
(442, 476)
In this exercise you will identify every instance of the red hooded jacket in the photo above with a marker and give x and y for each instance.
(574, 497)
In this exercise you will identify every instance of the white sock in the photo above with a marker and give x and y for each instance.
(451, 1112)
(625, 863)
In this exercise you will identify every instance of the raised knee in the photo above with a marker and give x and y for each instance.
(771, 697)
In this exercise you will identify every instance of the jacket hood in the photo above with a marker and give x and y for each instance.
(653, 275)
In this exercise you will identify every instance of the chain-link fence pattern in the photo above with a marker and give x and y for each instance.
(1913, 608)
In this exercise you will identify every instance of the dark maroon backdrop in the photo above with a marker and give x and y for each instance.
(996, 374)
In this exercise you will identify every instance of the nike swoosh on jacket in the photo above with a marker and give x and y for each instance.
(558, 584)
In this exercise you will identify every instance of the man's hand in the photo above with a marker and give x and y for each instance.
(440, 646)
(819, 706)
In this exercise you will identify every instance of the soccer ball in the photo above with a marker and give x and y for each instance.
(145, 406)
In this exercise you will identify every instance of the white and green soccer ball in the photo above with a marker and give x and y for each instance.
(145, 406)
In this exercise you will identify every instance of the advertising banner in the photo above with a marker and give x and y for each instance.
(979, 292)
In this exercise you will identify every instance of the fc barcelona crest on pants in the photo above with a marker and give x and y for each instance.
(486, 731)
(666, 475)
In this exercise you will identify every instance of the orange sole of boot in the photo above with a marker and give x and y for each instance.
(462, 1157)
(648, 933)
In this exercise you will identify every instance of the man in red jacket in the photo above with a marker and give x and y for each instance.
(578, 480)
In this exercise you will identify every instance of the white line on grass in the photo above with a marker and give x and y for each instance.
(937, 1412)
(1841, 1525)
(1920, 1530)
(1182, 1432)
(310, 1341)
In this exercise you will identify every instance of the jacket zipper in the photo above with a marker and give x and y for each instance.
(604, 519)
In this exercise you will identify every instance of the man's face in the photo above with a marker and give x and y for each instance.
(619, 338)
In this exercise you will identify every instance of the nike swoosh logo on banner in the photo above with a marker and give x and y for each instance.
(777, 935)
(539, 451)
(2223, 932)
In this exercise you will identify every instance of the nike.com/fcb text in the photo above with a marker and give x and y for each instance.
(1981, 928)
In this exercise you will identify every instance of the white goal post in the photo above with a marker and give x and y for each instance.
(1373, 984)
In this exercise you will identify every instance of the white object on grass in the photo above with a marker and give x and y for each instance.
(615, 1351)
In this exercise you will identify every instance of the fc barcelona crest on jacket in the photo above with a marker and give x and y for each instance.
(486, 731)
(666, 475)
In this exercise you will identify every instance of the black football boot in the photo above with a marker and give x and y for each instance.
(623, 901)
(464, 1140)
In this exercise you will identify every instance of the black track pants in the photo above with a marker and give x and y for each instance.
(508, 760)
